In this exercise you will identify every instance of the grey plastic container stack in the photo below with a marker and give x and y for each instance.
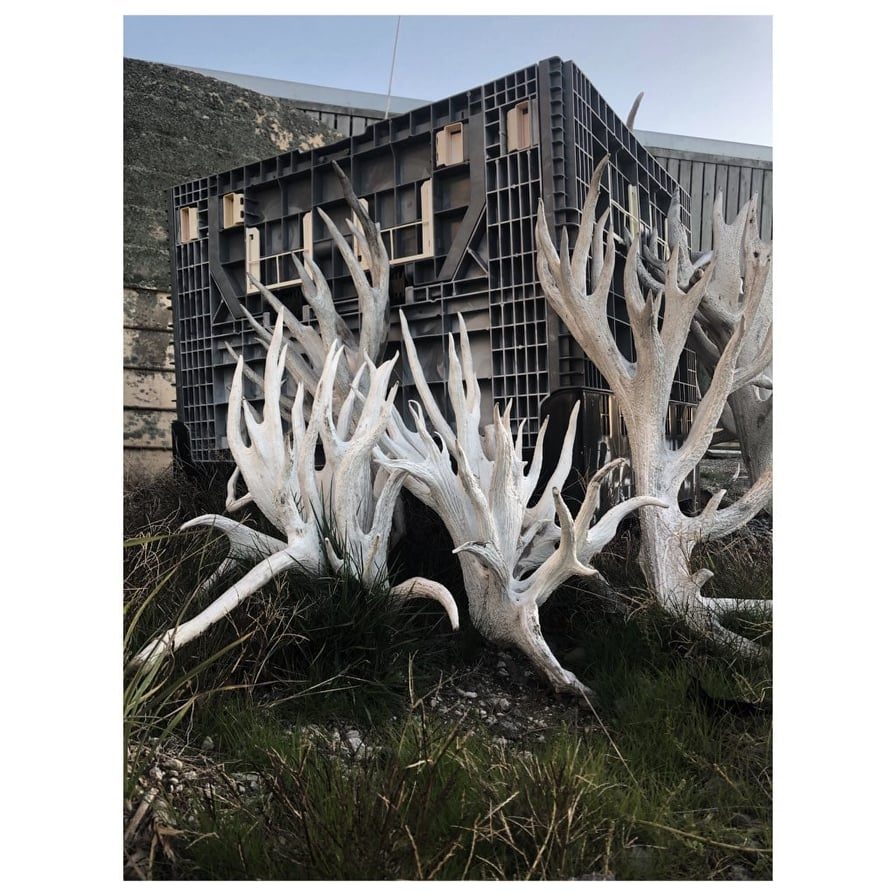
(455, 187)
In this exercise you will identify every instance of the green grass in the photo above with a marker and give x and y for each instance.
(683, 798)
(662, 780)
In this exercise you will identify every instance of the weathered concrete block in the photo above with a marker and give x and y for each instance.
(147, 267)
(149, 349)
(149, 390)
(141, 464)
(147, 308)
(148, 428)
(146, 226)
(149, 186)
(179, 153)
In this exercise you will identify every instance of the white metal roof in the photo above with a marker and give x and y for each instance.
(313, 93)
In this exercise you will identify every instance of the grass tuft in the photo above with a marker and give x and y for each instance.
(321, 733)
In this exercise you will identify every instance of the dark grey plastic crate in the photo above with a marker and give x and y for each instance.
(455, 187)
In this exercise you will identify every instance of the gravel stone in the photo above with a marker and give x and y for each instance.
(507, 729)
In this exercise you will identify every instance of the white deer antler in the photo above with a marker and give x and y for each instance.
(307, 346)
(738, 249)
(278, 468)
(643, 387)
(736, 246)
(513, 555)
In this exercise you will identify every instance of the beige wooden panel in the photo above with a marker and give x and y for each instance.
(149, 390)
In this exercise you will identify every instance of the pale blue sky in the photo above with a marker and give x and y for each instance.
(705, 76)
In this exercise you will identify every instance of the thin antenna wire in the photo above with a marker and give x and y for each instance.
(392, 70)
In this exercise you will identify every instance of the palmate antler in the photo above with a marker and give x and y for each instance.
(513, 555)
(643, 388)
(279, 470)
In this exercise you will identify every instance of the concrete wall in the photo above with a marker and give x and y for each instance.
(178, 125)
(149, 399)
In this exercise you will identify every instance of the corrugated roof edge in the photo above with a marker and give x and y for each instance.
(703, 145)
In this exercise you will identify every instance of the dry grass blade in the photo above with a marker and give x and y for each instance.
(610, 739)
(420, 875)
(544, 845)
(140, 813)
(662, 827)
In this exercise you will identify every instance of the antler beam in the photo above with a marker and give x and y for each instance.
(278, 469)
(513, 555)
(737, 249)
(643, 388)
